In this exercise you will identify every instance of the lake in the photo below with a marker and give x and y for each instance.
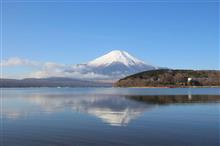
(110, 117)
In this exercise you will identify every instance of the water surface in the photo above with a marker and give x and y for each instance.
(110, 117)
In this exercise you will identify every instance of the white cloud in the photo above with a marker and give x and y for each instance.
(52, 65)
(30, 68)
(15, 61)
(48, 69)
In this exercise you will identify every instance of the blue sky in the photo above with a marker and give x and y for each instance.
(175, 34)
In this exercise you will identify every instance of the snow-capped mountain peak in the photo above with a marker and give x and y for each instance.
(116, 56)
(113, 65)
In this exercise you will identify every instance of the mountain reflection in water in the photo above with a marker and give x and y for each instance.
(114, 110)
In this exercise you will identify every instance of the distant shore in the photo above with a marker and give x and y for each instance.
(168, 87)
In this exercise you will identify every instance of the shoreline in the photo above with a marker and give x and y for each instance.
(168, 87)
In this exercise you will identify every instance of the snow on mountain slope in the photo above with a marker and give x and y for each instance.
(116, 56)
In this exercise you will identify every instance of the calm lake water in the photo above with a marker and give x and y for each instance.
(110, 117)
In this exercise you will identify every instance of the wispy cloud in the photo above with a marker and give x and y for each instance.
(63, 73)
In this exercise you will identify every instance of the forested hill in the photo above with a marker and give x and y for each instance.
(171, 78)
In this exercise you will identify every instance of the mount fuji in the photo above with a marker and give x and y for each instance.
(113, 65)
(102, 71)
